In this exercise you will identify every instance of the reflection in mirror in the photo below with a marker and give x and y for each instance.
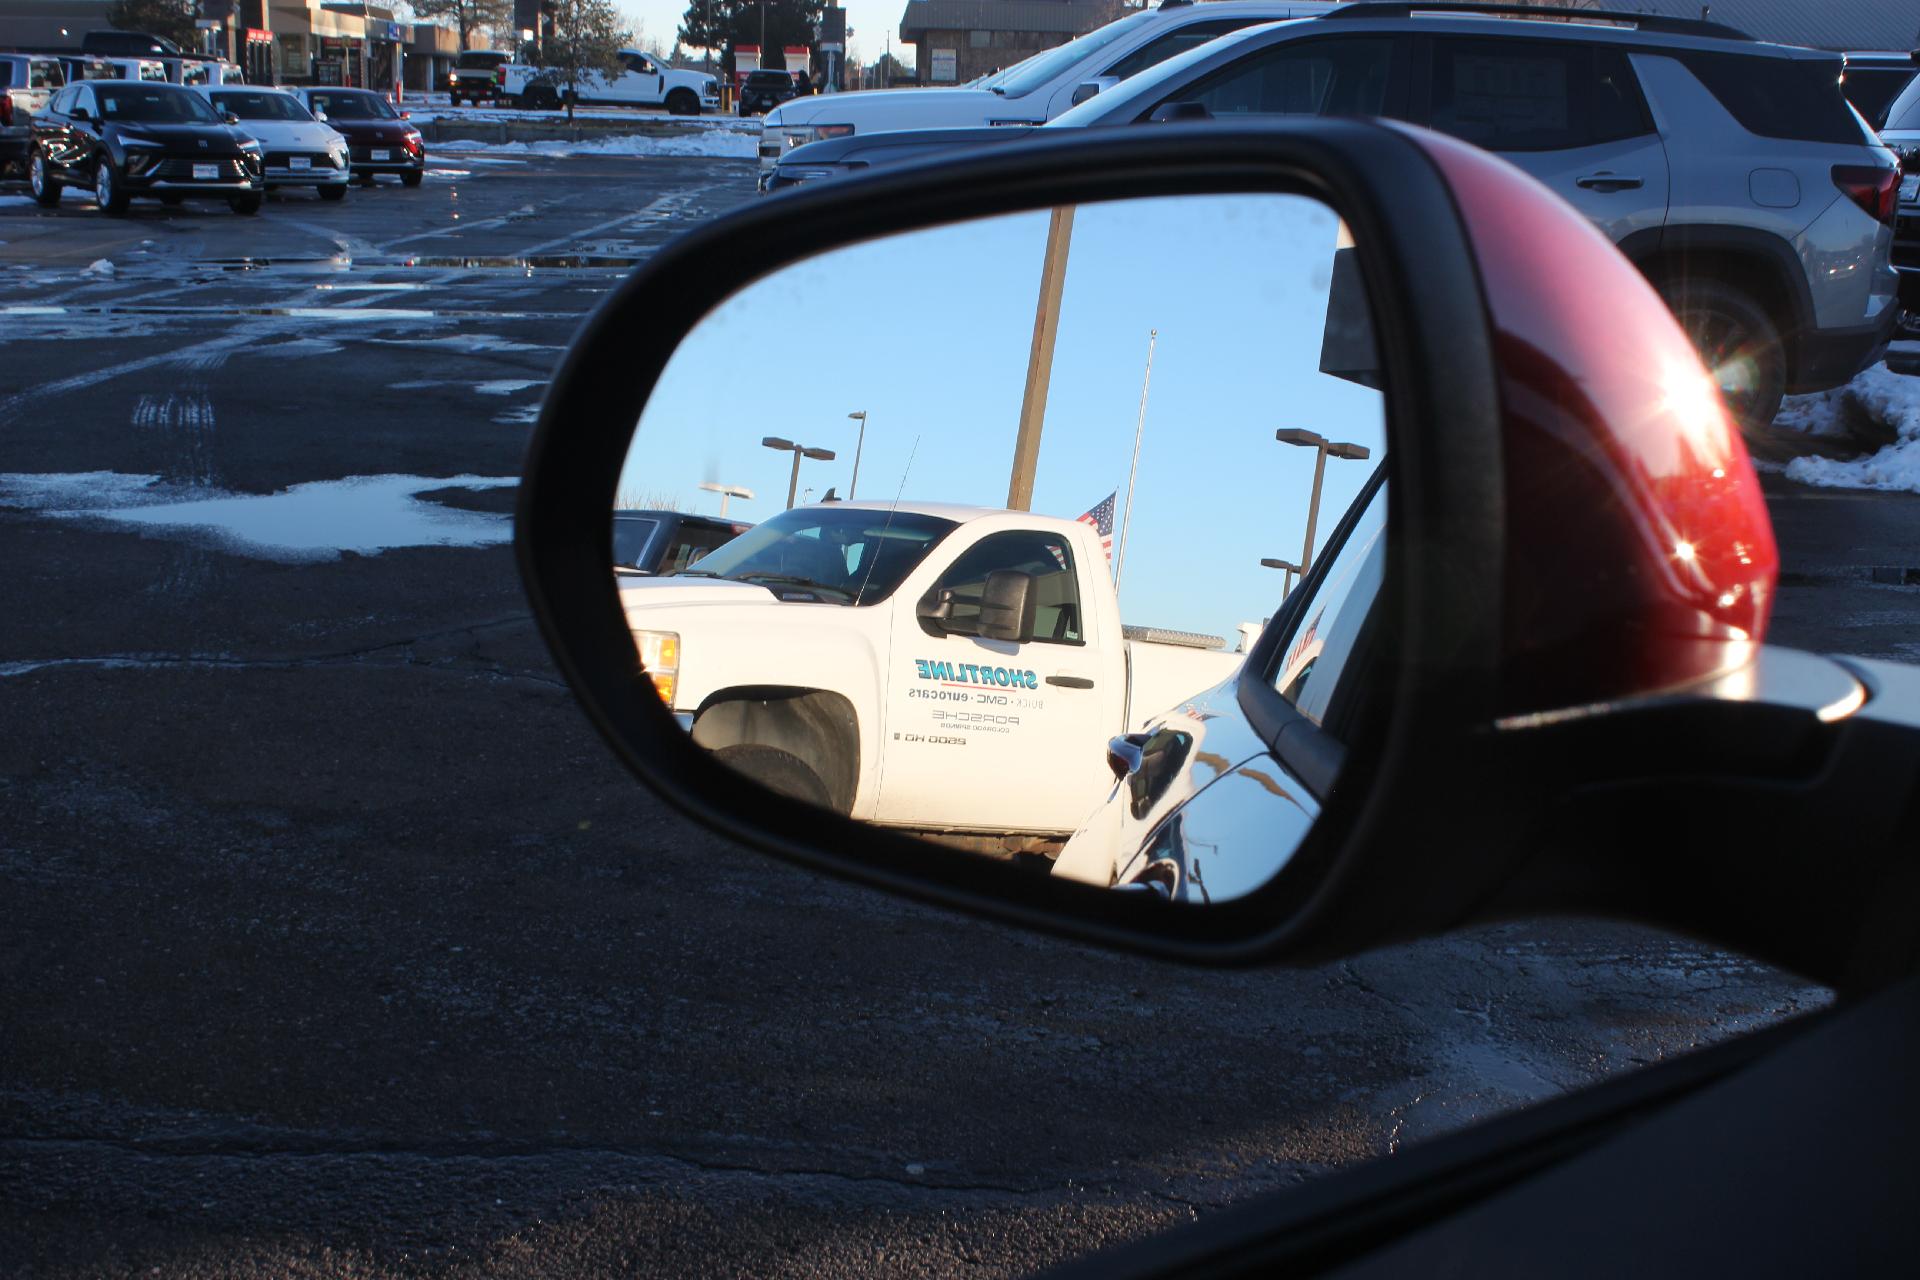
(968, 531)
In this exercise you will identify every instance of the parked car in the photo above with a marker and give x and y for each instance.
(195, 72)
(379, 138)
(121, 140)
(644, 82)
(646, 541)
(27, 81)
(1562, 705)
(1730, 171)
(1901, 132)
(765, 89)
(476, 76)
(1029, 92)
(146, 70)
(1874, 80)
(298, 150)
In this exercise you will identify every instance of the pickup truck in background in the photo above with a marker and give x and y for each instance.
(648, 541)
(643, 83)
(475, 77)
(1033, 91)
(949, 671)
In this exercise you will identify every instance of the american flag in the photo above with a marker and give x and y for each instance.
(1101, 518)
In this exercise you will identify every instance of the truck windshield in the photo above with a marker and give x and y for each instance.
(849, 555)
(1036, 71)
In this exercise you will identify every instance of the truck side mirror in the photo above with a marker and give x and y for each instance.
(1006, 606)
(1169, 112)
(934, 609)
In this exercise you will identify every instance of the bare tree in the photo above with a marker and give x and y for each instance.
(468, 16)
(585, 44)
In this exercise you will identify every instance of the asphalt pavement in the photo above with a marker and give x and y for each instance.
(335, 943)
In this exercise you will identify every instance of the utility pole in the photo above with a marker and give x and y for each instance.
(1046, 325)
(1287, 587)
(1323, 449)
(854, 485)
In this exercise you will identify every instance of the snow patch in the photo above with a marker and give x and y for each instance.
(1881, 394)
(308, 522)
(99, 267)
(507, 386)
(468, 343)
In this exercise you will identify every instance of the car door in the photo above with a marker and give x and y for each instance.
(988, 734)
(1570, 114)
(66, 140)
(1346, 75)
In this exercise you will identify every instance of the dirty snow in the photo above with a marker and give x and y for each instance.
(308, 522)
(1886, 397)
(99, 267)
(468, 343)
(711, 143)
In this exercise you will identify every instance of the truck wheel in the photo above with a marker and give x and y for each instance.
(683, 102)
(543, 98)
(780, 772)
(1738, 344)
(45, 187)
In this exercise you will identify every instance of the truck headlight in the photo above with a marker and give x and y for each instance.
(660, 655)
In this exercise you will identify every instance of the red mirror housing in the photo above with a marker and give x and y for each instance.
(1608, 421)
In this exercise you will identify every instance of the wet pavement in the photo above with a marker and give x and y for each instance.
(336, 944)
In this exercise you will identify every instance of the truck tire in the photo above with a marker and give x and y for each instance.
(40, 180)
(541, 97)
(1737, 342)
(780, 772)
(683, 102)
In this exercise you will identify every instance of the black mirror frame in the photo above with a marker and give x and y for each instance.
(1445, 529)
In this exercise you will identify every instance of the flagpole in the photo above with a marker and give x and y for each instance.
(1120, 559)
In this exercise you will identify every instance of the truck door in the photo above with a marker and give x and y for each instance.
(641, 81)
(989, 735)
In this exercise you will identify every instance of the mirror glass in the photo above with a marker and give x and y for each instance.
(968, 531)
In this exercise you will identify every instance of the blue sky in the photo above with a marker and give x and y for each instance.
(929, 333)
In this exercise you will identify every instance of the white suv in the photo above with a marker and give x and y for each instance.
(1029, 92)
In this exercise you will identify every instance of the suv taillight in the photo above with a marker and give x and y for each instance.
(500, 74)
(6, 109)
(1874, 189)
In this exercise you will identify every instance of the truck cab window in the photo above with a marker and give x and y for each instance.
(1046, 556)
(1325, 632)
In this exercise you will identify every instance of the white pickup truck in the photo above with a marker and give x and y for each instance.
(644, 82)
(942, 669)
(1029, 92)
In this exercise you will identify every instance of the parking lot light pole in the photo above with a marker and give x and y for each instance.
(1323, 448)
(1291, 569)
(798, 451)
(727, 491)
(854, 486)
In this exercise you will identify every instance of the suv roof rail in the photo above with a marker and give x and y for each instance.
(1643, 21)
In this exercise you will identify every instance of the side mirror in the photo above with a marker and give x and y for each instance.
(1532, 609)
(406, 115)
(228, 117)
(1092, 88)
(81, 113)
(1006, 606)
(1169, 112)
(320, 115)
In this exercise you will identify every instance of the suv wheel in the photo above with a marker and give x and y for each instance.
(1738, 343)
(106, 187)
(45, 187)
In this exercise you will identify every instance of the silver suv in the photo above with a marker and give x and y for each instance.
(1733, 173)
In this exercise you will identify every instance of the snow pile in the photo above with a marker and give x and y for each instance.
(712, 143)
(99, 267)
(1880, 394)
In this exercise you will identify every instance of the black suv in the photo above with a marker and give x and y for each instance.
(765, 90)
(123, 138)
(646, 541)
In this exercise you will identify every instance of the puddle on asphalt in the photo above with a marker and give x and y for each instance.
(307, 522)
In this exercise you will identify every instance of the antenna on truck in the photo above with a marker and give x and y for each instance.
(875, 557)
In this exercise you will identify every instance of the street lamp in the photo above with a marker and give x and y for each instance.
(1291, 568)
(1323, 448)
(727, 491)
(855, 485)
(798, 451)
